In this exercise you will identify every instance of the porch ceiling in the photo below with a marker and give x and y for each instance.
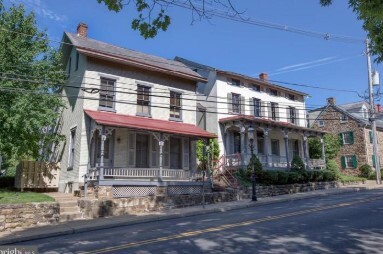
(142, 123)
(259, 121)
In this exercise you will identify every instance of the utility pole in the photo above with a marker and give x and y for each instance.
(372, 114)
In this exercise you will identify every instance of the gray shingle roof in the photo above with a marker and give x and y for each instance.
(134, 57)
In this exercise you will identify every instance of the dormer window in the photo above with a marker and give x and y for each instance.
(291, 97)
(273, 92)
(255, 87)
(343, 119)
(235, 82)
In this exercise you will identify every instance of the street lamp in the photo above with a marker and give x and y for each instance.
(251, 145)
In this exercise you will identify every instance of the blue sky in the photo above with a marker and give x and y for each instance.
(236, 46)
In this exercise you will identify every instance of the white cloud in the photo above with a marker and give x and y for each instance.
(42, 10)
(305, 63)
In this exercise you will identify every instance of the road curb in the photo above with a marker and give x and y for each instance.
(115, 222)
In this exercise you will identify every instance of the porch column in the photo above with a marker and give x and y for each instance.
(161, 143)
(286, 138)
(266, 144)
(323, 149)
(102, 153)
(305, 150)
(227, 143)
(192, 158)
(243, 146)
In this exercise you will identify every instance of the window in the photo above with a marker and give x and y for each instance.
(275, 147)
(175, 105)
(293, 116)
(72, 146)
(273, 111)
(143, 100)
(349, 161)
(175, 153)
(257, 107)
(107, 93)
(237, 142)
(320, 122)
(256, 88)
(260, 143)
(291, 97)
(347, 138)
(273, 92)
(142, 153)
(236, 103)
(235, 82)
(77, 60)
(343, 118)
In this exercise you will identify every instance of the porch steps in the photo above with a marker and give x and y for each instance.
(69, 209)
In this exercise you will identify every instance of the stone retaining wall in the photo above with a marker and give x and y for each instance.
(94, 208)
(14, 216)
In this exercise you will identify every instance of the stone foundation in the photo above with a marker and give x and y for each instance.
(13, 216)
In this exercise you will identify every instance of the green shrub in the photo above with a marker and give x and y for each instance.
(332, 166)
(283, 177)
(257, 168)
(293, 177)
(365, 171)
(297, 164)
(270, 177)
(328, 175)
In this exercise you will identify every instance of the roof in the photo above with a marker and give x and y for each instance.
(267, 121)
(142, 123)
(234, 74)
(114, 53)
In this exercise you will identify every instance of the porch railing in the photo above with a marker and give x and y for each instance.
(317, 163)
(138, 173)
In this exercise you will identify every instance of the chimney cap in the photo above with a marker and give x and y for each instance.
(82, 29)
(263, 76)
(331, 101)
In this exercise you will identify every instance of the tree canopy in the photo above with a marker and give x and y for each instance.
(370, 12)
(30, 76)
(331, 143)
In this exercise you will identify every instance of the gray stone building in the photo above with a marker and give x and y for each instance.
(351, 123)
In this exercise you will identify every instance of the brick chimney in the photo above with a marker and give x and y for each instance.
(263, 76)
(379, 108)
(331, 101)
(82, 30)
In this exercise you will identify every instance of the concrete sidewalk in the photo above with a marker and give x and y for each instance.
(73, 227)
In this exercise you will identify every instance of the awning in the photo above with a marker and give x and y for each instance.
(143, 123)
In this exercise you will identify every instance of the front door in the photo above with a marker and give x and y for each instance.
(175, 153)
(142, 151)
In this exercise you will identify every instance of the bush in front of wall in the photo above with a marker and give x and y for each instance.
(328, 176)
(331, 165)
(283, 177)
(365, 171)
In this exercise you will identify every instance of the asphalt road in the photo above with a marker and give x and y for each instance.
(344, 223)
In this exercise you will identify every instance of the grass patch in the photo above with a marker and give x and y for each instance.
(16, 197)
(347, 179)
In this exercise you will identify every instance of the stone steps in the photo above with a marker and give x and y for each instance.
(68, 216)
(69, 209)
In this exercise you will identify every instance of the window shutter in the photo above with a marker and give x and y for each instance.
(354, 161)
(154, 154)
(351, 137)
(277, 112)
(263, 108)
(243, 102)
(230, 102)
(341, 139)
(165, 154)
(132, 149)
(251, 103)
(185, 164)
(373, 161)
(343, 162)
(371, 140)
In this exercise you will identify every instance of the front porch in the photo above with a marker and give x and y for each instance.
(274, 143)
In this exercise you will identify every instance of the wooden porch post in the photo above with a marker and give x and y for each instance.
(286, 138)
(305, 150)
(266, 144)
(323, 149)
(102, 152)
(161, 143)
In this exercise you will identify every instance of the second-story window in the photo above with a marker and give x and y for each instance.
(273, 110)
(236, 103)
(175, 105)
(291, 97)
(293, 115)
(273, 92)
(143, 100)
(107, 93)
(257, 107)
(255, 87)
(343, 118)
(235, 82)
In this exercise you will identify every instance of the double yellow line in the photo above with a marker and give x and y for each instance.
(228, 226)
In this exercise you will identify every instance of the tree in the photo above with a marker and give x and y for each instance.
(371, 13)
(214, 151)
(152, 17)
(331, 143)
(30, 76)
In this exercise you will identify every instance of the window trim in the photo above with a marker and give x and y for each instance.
(232, 103)
(293, 117)
(104, 108)
(234, 80)
(72, 147)
(252, 85)
(342, 120)
(172, 118)
(272, 89)
(343, 138)
(289, 95)
(352, 158)
(273, 115)
(320, 123)
(259, 107)
(149, 114)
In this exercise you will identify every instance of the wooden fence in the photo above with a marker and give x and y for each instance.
(37, 175)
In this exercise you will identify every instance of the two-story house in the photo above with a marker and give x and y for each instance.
(130, 120)
(231, 103)
(350, 122)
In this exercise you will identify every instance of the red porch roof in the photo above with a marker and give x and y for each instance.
(142, 123)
